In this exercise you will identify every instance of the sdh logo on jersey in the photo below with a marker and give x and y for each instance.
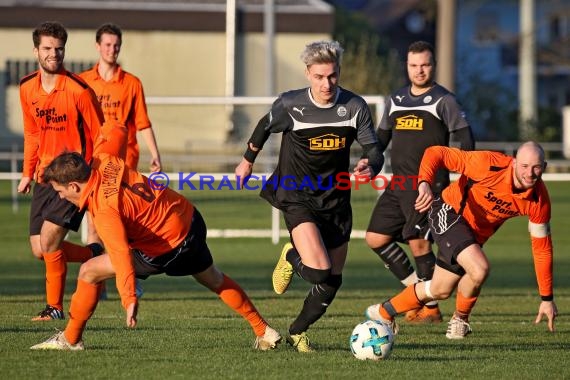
(410, 122)
(329, 141)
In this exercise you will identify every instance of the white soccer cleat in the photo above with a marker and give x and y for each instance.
(268, 341)
(457, 328)
(58, 342)
(373, 313)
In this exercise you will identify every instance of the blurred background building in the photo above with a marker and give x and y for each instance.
(177, 48)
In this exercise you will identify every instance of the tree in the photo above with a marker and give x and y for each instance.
(369, 66)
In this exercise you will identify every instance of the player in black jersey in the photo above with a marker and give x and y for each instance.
(416, 116)
(319, 124)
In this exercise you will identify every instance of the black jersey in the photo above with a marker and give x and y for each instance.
(418, 122)
(315, 148)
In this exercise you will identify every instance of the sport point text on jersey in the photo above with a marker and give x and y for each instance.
(340, 181)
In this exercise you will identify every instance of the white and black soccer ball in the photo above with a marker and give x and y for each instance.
(371, 340)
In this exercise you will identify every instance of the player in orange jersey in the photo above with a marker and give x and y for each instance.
(121, 96)
(492, 188)
(61, 114)
(146, 231)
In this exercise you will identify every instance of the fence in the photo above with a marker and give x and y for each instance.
(14, 157)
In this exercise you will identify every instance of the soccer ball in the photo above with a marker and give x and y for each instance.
(371, 340)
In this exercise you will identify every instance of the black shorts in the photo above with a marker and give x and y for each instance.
(394, 215)
(451, 233)
(190, 257)
(47, 205)
(335, 227)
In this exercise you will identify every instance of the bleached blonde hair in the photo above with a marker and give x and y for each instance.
(322, 52)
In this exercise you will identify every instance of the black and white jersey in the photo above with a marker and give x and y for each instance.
(418, 122)
(315, 147)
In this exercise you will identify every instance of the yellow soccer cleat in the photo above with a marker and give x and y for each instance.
(283, 272)
(300, 342)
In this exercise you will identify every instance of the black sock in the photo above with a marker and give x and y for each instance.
(316, 303)
(396, 260)
(312, 275)
(425, 265)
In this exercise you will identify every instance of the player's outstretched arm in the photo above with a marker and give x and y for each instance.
(548, 309)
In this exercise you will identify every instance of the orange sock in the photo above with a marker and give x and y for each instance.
(83, 304)
(234, 296)
(75, 253)
(464, 305)
(56, 269)
(400, 303)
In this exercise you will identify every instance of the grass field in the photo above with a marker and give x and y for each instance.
(185, 332)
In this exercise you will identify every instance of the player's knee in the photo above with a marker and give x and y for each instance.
(419, 247)
(479, 274)
(316, 276)
(38, 254)
(87, 272)
(375, 240)
(437, 291)
(441, 295)
(50, 246)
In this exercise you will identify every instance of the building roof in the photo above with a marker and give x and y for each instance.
(293, 16)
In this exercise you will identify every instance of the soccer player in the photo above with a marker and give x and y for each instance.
(492, 188)
(146, 231)
(319, 124)
(121, 96)
(60, 114)
(416, 116)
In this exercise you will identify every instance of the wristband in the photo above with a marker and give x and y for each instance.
(250, 154)
(547, 298)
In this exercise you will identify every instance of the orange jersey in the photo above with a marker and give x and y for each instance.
(68, 119)
(128, 214)
(484, 195)
(122, 99)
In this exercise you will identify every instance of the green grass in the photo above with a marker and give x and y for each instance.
(185, 332)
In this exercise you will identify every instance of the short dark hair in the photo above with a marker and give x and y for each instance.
(420, 47)
(51, 29)
(67, 167)
(108, 28)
